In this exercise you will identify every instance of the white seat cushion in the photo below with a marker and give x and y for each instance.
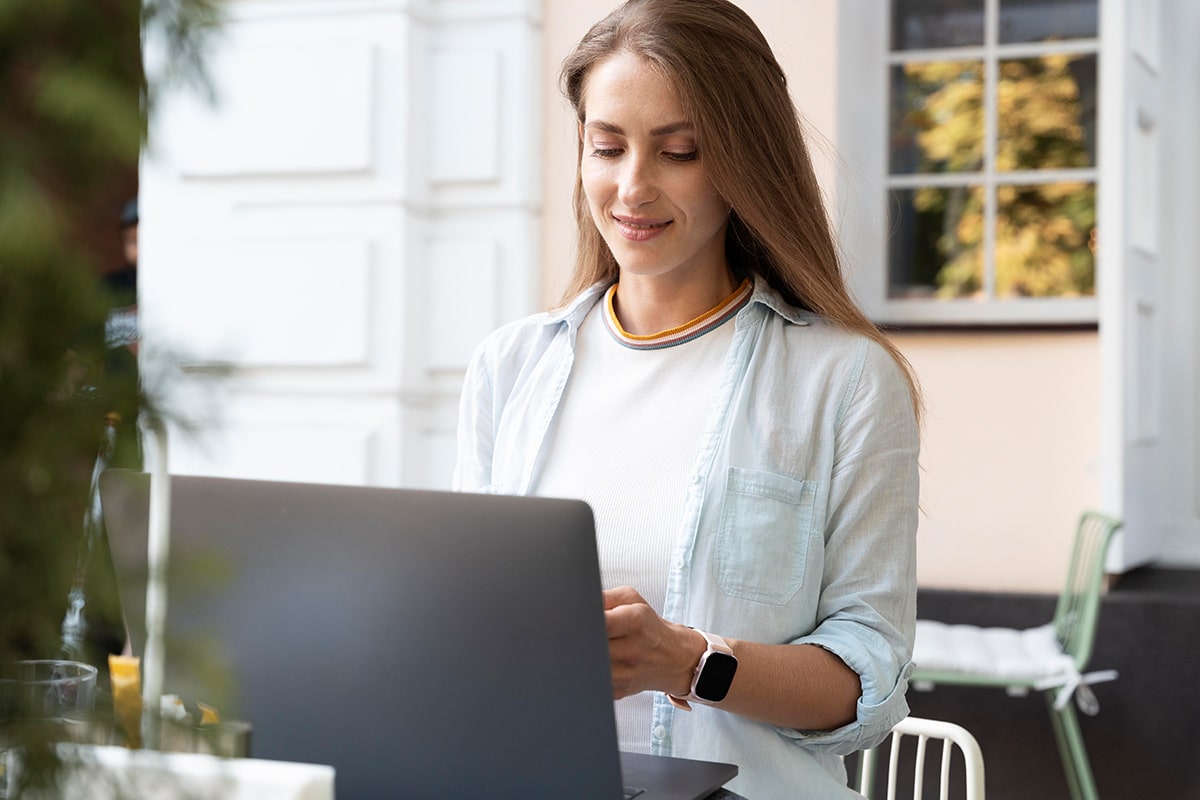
(1030, 655)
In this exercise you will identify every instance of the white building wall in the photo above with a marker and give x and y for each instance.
(334, 234)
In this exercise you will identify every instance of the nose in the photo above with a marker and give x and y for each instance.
(636, 183)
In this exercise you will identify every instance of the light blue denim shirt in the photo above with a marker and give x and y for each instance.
(798, 527)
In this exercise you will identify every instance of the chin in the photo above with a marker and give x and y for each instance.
(640, 266)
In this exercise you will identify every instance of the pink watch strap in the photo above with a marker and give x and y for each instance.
(715, 643)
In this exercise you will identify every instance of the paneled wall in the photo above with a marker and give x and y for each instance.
(327, 239)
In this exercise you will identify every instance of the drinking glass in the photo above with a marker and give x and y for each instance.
(45, 692)
(47, 689)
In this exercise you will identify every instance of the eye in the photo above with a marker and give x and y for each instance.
(601, 151)
(690, 155)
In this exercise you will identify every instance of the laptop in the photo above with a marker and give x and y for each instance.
(423, 643)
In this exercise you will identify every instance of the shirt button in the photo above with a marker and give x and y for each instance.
(659, 732)
(678, 564)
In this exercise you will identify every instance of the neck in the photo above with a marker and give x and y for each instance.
(648, 304)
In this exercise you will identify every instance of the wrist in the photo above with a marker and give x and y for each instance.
(691, 649)
(711, 676)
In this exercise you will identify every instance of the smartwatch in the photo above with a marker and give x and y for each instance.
(714, 674)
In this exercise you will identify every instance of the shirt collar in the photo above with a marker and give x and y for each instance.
(766, 296)
(574, 312)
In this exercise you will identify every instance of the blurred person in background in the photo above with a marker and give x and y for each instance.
(119, 383)
(122, 329)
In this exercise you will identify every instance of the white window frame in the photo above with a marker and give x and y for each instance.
(863, 183)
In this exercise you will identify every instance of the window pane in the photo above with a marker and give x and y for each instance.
(1047, 113)
(937, 117)
(920, 24)
(1039, 20)
(936, 244)
(1046, 240)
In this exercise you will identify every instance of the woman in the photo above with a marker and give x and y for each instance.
(745, 436)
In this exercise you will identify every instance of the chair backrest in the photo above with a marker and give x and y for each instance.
(1078, 607)
(924, 730)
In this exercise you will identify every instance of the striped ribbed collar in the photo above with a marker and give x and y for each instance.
(709, 320)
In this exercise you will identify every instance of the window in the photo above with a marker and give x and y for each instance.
(988, 207)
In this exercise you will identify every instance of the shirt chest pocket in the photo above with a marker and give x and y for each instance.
(763, 535)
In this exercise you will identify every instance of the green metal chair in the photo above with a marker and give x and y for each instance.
(1050, 659)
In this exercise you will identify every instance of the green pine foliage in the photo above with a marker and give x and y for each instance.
(72, 125)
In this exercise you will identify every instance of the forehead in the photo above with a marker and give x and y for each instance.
(625, 89)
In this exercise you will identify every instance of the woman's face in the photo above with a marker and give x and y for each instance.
(644, 179)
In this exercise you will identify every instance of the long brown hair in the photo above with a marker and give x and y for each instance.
(751, 141)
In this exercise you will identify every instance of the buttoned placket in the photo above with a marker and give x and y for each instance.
(748, 323)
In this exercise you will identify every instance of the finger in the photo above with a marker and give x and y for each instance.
(621, 596)
(620, 622)
(623, 649)
(623, 666)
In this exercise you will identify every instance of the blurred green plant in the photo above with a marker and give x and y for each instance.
(72, 125)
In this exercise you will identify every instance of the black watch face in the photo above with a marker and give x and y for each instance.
(716, 677)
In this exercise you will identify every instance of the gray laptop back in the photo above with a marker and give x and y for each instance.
(426, 644)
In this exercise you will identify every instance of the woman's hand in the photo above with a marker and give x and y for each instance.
(646, 651)
(794, 686)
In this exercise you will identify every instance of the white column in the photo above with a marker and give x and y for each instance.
(1181, 254)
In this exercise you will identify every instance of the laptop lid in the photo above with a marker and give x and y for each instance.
(450, 644)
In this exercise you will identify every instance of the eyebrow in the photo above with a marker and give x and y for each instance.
(662, 130)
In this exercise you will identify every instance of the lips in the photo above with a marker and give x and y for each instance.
(640, 230)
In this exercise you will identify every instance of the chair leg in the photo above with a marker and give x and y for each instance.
(1064, 750)
(865, 778)
(1071, 749)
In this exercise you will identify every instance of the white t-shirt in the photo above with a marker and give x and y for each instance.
(624, 441)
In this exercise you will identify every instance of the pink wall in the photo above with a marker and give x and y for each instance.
(1009, 455)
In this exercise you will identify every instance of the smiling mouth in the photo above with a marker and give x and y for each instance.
(641, 226)
(640, 231)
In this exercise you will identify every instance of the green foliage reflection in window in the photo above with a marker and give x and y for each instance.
(993, 161)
